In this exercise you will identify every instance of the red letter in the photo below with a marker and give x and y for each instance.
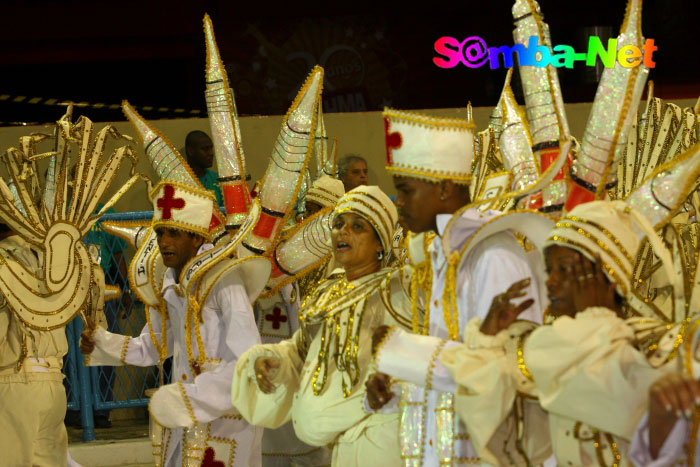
(454, 55)
(649, 49)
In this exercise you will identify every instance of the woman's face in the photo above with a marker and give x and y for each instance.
(355, 243)
(561, 286)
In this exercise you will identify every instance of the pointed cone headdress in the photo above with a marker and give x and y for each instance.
(614, 110)
(545, 107)
(226, 135)
(179, 199)
(289, 161)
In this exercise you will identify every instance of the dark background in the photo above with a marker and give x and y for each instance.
(152, 53)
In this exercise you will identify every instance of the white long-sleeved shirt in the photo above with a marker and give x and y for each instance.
(490, 269)
(227, 330)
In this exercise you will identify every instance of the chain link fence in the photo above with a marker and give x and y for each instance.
(93, 392)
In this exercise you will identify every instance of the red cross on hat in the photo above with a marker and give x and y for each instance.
(393, 141)
(168, 202)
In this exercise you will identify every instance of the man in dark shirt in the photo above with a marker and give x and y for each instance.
(199, 150)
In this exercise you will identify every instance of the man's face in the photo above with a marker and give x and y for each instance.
(200, 151)
(177, 247)
(355, 176)
(416, 201)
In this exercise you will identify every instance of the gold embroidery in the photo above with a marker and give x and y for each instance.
(392, 330)
(521, 358)
(125, 348)
(438, 123)
(186, 398)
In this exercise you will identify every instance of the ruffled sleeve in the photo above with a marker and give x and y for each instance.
(587, 368)
(268, 410)
(116, 350)
(489, 379)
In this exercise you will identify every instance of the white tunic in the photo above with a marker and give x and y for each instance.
(436, 435)
(585, 372)
(278, 319)
(199, 402)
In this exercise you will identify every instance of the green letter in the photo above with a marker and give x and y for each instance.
(595, 47)
(566, 58)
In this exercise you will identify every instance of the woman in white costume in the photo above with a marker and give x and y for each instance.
(316, 378)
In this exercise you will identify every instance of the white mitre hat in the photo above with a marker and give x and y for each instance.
(429, 148)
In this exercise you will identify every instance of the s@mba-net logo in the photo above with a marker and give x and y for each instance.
(474, 53)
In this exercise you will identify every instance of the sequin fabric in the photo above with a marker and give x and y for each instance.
(166, 161)
(659, 196)
(516, 146)
(545, 106)
(614, 110)
(411, 430)
(195, 442)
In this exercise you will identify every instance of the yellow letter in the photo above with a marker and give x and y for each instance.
(627, 53)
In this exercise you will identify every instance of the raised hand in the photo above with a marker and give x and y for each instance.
(502, 312)
(591, 287)
(671, 397)
(266, 369)
(378, 390)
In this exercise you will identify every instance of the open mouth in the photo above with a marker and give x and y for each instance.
(343, 246)
(167, 255)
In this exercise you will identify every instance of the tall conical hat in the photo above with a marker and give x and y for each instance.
(289, 160)
(516, 141)
(179, 199)
(614, 111)
(226, 135)
(545, 107)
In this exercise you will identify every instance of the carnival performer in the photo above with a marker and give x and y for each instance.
(316, 378)
(590, 369)
(47, 276)
(277, 311)
(430, 159)
(31, 389)
(200, 312)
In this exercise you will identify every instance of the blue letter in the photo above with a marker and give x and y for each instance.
(508, 53)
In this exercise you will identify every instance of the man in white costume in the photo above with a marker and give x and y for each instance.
(206, 321)
(430, 159)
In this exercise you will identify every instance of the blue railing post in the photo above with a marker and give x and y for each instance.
(86, 403)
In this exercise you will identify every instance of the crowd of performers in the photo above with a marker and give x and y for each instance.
(528, 298)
